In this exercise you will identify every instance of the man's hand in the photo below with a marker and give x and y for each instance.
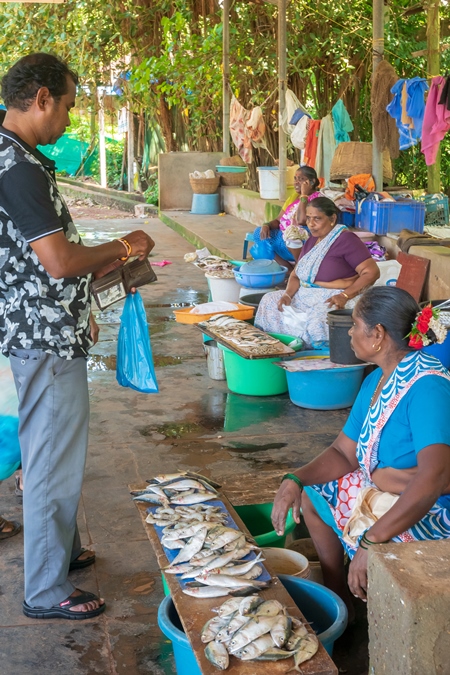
(141, 244)
(94, 328)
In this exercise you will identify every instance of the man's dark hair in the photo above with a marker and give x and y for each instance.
(23, 80)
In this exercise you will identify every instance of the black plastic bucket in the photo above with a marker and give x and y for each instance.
(340, 321)
(252, 299)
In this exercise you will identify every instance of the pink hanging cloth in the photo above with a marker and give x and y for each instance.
(436, 121)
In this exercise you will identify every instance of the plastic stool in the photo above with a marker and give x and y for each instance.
(248, 237)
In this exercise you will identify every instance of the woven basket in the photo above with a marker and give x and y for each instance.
(204, 186)
(353, 158)
(232, 161)
(233, 179)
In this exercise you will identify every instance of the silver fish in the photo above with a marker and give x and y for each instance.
(299, 631)
(215, 531)
(228, 581)
(193, 498)
(211, 628)
(187, 484)
(177, 569)
(252, 630)
(186, 532)
(308, 647)
(229, 607)
(281, 630)
(239, 542)
(225, 538)
(254, 573)
(190, 549)
(275, 654)
(248, 605)
(149, 497)
(217, 654)
(269, 608)
(231, 627)
(210, 481)
(206, 591)
(255, 648)
(166, 477)
(172, 544)
(238, 570)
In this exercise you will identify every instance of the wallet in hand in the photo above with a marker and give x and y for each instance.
(117, 284)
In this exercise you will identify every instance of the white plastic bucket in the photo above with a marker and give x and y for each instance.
(389, 271)
(285, 561)
(224, 289)
(268, 182)
(214, 360)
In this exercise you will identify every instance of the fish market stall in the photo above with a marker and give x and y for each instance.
(216, 573)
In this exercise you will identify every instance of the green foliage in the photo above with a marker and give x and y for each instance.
(114, 155)
(151, 193)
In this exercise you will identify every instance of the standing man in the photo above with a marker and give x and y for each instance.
(46, 329)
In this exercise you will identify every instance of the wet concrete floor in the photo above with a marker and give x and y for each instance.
(193, 423)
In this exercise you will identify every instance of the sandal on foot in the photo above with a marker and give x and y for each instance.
(16, 528)
(80, 564)
(18, 490)
(63, 611)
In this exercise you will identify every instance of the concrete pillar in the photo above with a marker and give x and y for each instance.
(226, 76)
(282, 75)
(409, 608)
(377, 56)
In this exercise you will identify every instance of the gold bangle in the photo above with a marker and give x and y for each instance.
(127, 248)
(345, 295)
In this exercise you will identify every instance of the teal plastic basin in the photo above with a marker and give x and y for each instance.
(322, 608)
(256, 377)
(257, 518)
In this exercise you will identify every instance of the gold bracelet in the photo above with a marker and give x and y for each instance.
(345, 295)
(127, 248)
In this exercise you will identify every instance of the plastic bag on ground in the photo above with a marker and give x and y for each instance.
(134, 353)
(262, 250)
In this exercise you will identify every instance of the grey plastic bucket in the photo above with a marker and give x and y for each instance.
(340, 321)
(214, 360)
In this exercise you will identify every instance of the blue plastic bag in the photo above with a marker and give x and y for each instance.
(9, 446)
(134, 353)
(262, 250)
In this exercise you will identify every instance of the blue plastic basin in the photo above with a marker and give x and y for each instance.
(322, 608)
(206, 205)
(325, 389)
(260, 280)
(441, 352)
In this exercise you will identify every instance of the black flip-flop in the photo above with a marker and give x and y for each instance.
(63, 611)
(80, 564)
(16, 529)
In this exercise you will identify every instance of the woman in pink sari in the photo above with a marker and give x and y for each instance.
(285, 233)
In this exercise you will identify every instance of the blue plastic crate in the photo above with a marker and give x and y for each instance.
(347, 218)
(384, 217)
(437, 209)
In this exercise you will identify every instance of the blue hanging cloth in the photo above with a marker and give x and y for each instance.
(342, 122)
(134, 353)
(410, 134)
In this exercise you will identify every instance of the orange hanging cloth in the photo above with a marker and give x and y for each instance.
(312, 140)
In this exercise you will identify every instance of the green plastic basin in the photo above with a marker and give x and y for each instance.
(256, 377)
(257, 518)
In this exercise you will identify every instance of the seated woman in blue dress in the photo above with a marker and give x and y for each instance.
(293, 213)
(386, 477)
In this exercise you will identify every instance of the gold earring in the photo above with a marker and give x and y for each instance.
(379, 347)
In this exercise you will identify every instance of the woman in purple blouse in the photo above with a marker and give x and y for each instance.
(333, 268)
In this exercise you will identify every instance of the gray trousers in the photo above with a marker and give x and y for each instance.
(53, 434)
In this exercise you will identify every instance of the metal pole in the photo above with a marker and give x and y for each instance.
(226, 76)
(377, 56)
(130, 151)
(282, 96)
(101, 142)
(433, 66)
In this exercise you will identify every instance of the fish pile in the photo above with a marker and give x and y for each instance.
(254, 629)
(213, 263)
(241, 334)
(295, 233)
(177, 488)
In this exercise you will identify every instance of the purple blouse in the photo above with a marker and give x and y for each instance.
(341, 261)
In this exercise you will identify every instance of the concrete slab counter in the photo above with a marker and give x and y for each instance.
(409, 608)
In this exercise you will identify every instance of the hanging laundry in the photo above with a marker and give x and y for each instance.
(408, 108)
(312, 140)
(384, 125)
(342, 122)
(436, 121)
(291, 106)
(298, 136)
(415, 103)
(246, 127)
(326, 147)
(445, 95)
